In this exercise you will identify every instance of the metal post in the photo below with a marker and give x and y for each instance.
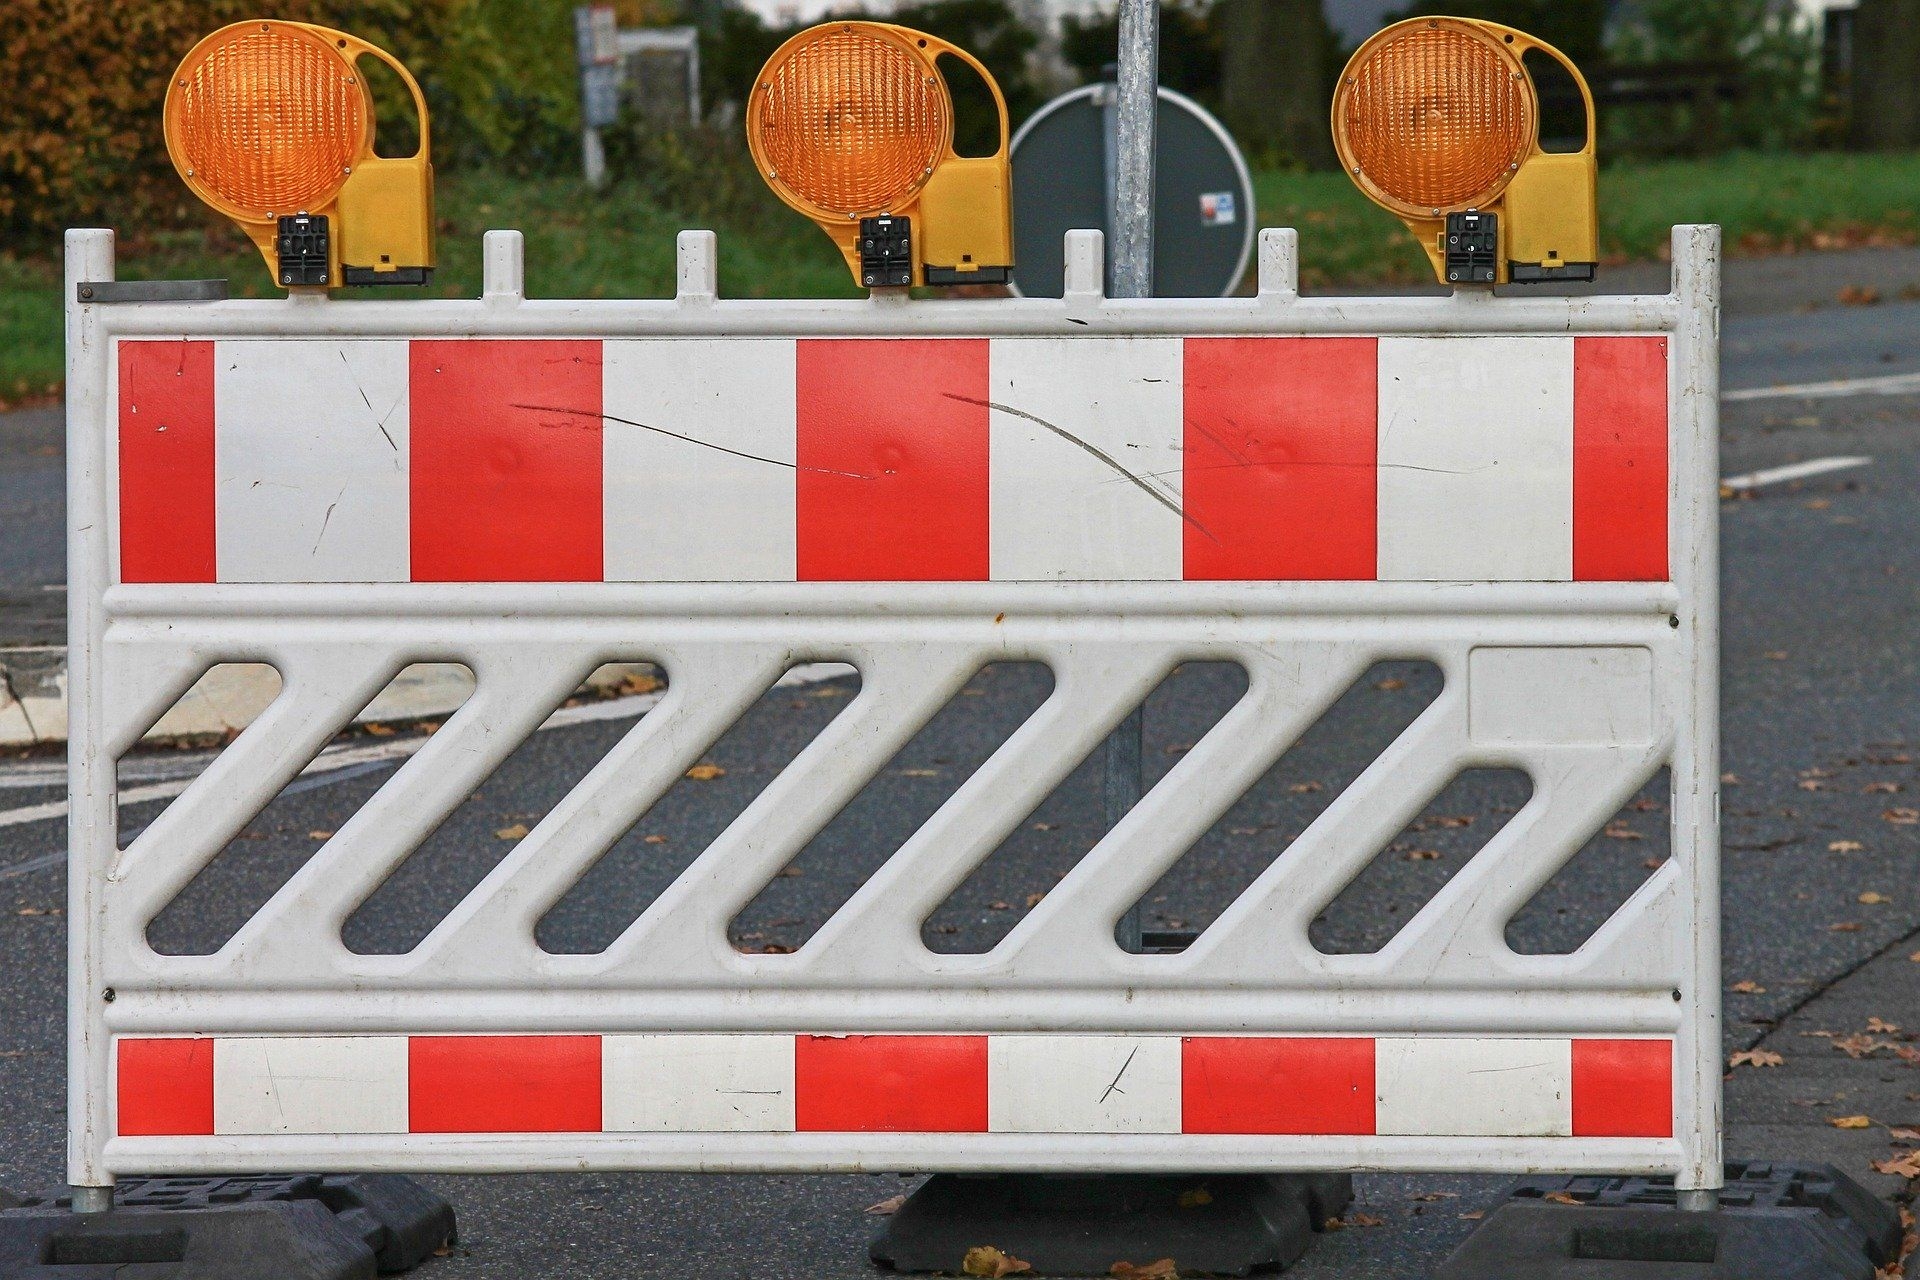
(1136, 104)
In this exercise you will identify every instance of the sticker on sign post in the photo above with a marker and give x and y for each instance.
(1217, 209)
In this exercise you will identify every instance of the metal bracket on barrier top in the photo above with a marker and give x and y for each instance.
(152, 291)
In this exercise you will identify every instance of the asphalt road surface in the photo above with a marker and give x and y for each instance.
(1822, 863)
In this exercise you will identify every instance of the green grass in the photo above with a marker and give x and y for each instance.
(619, 243)
(1765, 203)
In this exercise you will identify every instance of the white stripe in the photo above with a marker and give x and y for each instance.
(1059, 511)
(697, 1083)
(683, 509)
(310, 461)
(1442, 1086)
(1792, 471)
(1889, 384)
(310, 1084)
(1476, 459)
(1083, 1084)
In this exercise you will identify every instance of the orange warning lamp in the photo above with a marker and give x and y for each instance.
(272, 124)
(1437, 120)
(851, 123)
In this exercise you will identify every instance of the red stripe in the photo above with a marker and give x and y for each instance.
(165, 1088)
(1623, 1088)
(166, 462)
(1620, 459)
(506, 461)
(1272, 1084)
(1281, 447)
(890, 1084)
(892, 484)
(503, 1084)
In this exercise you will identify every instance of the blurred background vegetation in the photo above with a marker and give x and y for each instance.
(1712, 110)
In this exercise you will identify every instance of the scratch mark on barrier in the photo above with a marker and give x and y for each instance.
(327, 519)
(705, 444)
(1171, 504)
(379, 422)
(1121, 1072)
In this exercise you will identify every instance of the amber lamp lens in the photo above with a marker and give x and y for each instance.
(851, 123)
(1437, 118)
(267, 121)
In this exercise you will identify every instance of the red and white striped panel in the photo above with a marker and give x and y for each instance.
(1480, 459)
(775, 1083)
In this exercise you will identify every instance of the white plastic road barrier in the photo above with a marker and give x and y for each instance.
(1521, 491)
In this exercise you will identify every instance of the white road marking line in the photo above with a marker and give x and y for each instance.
(1792, 471)
(1890, 384)
(335, 760)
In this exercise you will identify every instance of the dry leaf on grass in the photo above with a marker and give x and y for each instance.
(706, 772)
(514, 832)
(890, 1205)
(1851, 1122)
(1159, 1269)
(1755, 1058)
(985, 1260)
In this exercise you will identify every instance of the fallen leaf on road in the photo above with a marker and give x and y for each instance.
(1429, 1197)
(1194, 1197)
(890, 1205)
(1475, 1216)
(1904, 1134)
(1559, 1197)
(1304, 788)
(1872, 899)
(1915, 957)
(706, 772)
(1422, 855)
(634, 682)
(319, 835)
(1729, 780)
(1845, 926)
(998, 906)
(1851, 1122)
(1775, 655)
(1034, 899)
(1817, 504)
(1880, 788)
(789, 873)
(1860, 1045)
(656, 839)
(1390, 684)
(919, 773)
(1755, 1058)
(1858, 295)
(1161, 1269)
(1811, 784)
(1621, 831)
(1357, 1219)
(1906, 1164)
(1902, 816)
(985, 1260)
(1045, 826)
(514, 832)
(1749, 988)
(378, 730)
(1844, 846)
(1882, 1025)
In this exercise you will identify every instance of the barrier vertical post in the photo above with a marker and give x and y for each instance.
(90, 780)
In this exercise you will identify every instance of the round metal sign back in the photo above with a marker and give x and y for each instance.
(1063, 166)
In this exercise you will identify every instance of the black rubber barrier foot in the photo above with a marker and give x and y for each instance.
(268, 1227)
(1080, 1225)
(1775, 1222)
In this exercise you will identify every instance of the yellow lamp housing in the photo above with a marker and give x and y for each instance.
(272, 124)
(1437, 120)
(851, 124)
